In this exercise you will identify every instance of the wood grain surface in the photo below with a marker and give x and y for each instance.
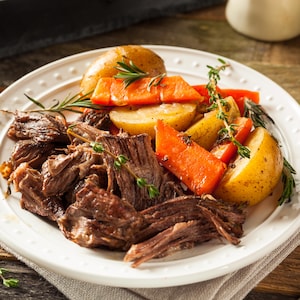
(205, 30)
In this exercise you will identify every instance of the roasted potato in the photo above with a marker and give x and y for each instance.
(135, 120)
(105, 64)
(205, 131)
(253, 179)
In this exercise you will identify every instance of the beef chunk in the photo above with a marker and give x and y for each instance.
(142, 161)
(34, 153)
(96, 118)
(29, 182)
(183, 223)
(60, 172)
(39, 128)
(99, 218)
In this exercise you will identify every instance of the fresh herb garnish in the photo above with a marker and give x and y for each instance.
(70, 104)
(257, 114)
(219, 103)
(130, 73)
(119, 162)
(261, 119)
(8, 282)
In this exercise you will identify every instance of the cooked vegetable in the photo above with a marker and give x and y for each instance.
(113, 92)
(205, 132)
(196, 167)
(253, 179)
(142, 119)
(238, 95)
(227, 149)
(105, 64)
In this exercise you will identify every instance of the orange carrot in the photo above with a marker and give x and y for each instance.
(240, 95)
(112, 92)
(227, 150)
(237, 94)
(196, 167)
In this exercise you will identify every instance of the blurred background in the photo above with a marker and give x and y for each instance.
(30, 24)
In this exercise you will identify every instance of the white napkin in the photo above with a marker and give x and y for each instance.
(233, 286)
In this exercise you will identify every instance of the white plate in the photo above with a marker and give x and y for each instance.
(39, 241)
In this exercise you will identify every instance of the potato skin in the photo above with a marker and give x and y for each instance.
(104, 65)
(253, 179)
(205, 131)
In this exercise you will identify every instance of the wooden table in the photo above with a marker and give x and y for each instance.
(204, 30)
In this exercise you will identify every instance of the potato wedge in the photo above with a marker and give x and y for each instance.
(253, 179)
(142, 119)
(105, 64)
(205, 131)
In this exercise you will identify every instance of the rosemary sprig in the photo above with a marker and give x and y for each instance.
(8, 282)
(261, 119)
(219, 103)
(70, 104)
(119, 162)
(130, 73)
(257, 114)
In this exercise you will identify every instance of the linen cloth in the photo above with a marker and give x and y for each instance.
(233, 286)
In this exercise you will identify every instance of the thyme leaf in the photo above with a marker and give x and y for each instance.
(8, 282)
(219, 103)
(120, 161)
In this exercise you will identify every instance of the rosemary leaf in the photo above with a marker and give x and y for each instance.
(129, 72)
(35, 101)
(69, 104)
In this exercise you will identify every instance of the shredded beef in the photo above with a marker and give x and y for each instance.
(34, 153)
(183, 223)
(142, 161)
(60, 172)
(39, 128)
(99, 218)
(29, 183)
(96, 118)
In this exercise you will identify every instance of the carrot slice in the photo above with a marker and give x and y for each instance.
(112, 92)
(238, 95)
(227, 150)
(102, 94)
(196, 167)
(176, 89)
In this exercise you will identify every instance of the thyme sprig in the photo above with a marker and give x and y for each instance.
(261, 119)
(219, 103)
(130, 73)
(120, 161)
(8, 282)
(69, 104)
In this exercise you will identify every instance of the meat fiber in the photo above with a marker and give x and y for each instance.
(142, 161)
(60, 172)
(183, 223)
(39, 128)
(29, 183)
(98, 218)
